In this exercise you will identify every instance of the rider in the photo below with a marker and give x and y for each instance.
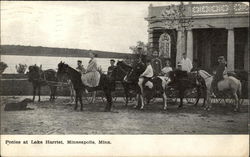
(91, 77)
(165, 71)
(146, 75)
(218, 75)
(156, 63)
(80, 67)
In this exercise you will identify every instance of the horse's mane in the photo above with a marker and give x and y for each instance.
(206, 73)
(124, 65)
(72, 69)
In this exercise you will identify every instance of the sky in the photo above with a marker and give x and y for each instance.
(106, 26)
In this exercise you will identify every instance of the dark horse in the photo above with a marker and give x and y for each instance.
(40, 78)
(182, 81)
(120, 73)
(105, 84)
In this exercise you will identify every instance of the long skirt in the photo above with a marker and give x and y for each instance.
(91, 79)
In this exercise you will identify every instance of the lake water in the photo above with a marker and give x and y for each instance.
(49, 62)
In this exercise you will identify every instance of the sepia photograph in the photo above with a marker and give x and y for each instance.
(124, 68)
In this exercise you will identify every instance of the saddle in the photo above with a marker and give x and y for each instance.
(156, 82)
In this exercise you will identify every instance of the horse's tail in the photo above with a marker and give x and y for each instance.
(239, 89)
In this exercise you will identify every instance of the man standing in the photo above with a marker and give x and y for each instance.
(186, 63)
(110, 71)
(80, 67)
(112, 67)
(218, 75)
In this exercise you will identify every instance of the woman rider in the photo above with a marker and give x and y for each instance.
(91, 77)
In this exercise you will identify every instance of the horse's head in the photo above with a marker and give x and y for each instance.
(62, 69)
(34, 72)
(178, 75)
(121, 70)
(137, 69)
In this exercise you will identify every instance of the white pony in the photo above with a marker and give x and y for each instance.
(228, 84)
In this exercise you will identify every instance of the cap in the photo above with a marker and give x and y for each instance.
(221, 57)
(179, 63)
(79, 61)
(112, 60)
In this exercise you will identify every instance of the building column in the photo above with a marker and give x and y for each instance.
(230, 49)
(246, 57)
(180, 45)
(150, 36)
(190, 44)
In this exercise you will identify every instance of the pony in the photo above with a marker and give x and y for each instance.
(40, 78)
(64, 79)
(229, 85)
(183, 81)
(120, 73)
(157, 85)
(105, 84)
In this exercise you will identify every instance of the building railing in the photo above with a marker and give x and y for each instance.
(204, 9)
(230, 8)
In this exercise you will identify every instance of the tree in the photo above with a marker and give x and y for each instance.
(141, 48)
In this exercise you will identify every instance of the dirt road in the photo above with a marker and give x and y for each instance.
(59, 118)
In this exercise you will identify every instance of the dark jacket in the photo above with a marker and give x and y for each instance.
(219, 72)
(110, 70)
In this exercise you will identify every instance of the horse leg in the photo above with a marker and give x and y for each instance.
(76, 99)
(138, 101)
(164, 100)
(109, 100)
(80, 98)
(54, 93)
(93, 97)
(34, 92)
(126, 94)
(39, 93)
(142, 101)
(236, 100)
(181, 93)
(198, 96)
(72, 94)
(51, 91)
(205, 97)
(209, 104)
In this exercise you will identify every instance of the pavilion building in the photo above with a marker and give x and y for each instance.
(217, 29)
